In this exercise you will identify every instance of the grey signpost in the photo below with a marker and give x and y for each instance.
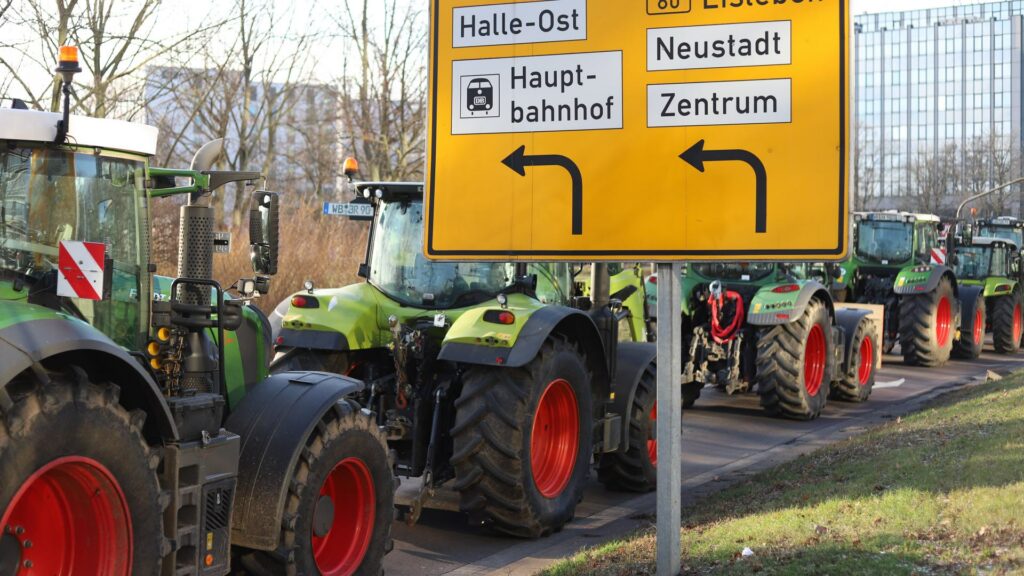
(669, 426)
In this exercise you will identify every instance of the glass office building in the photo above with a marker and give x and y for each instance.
(937, 108)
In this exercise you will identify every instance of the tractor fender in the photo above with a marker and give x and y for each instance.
(968, 298)
(65, 341)
(770, 309)
(847, 321)
(999, 287)
(569, 322)
(274, 421)
(344, 319)
(909, 283)
(633, 359)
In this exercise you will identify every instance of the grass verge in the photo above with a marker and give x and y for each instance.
(938, 492)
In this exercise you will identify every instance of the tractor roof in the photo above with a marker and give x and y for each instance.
(1003, 221)
(35, 126)
(897, 216)
(391, 188)
(988, 241)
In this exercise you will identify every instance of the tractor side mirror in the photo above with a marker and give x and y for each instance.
(263, 232)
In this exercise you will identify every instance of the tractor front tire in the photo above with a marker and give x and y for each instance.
(793, 365)
(1006, 323)
(927, 326)
(340, 504)
(636, 469)
(856, 383)
(78, 485)
(523, 441)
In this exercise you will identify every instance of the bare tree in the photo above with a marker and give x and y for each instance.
(384, 87)
(865, 163)
(988, 162)
(934, 178)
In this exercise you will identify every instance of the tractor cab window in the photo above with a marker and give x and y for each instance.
(49, 196)
(1000, 265)
(927, 238)
(885, 241)
(554, 282)
(400, 270)
(1011, 233)
(735, 272)
(973, 262)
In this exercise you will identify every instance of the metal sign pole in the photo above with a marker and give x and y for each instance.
(669, 423)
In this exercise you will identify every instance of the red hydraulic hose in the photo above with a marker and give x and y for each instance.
(720, 334)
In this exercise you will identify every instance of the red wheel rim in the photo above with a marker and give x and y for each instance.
(1016, 323)
(71, 517)
(555, 438)
(350, 487)
(814, 360)
(652, 442)
(867, 361)
(942, 321)
(979, 327)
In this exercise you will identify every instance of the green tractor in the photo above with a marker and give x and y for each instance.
(773, 327)
(1006, 227)
(486, 381)
(993, 265)
(897, 261)
(140, 430)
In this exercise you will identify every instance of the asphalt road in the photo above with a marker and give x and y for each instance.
(724, 439)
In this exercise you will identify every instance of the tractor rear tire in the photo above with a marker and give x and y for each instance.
(340, 504)
(856, 384)
(1006, 323)
(927, 326)
(636, 469)
(523, 439)
(971, 342)
(78, 480)
(793, 364)
(691, 393)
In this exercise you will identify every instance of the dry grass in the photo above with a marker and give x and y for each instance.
(324, 249)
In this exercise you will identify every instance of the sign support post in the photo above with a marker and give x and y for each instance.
(669, 421)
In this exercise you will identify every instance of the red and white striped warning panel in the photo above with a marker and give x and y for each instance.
(939, 256)
(80, 269)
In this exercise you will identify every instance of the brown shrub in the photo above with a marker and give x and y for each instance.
(324, 249)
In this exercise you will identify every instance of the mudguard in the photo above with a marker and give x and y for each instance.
(633, 358)
(847, 320)
(274, 421)
(996, 286)
(770, 308)
(532, 335)
(48, 334)
(916, 280)
(346, 319)
(968, 299)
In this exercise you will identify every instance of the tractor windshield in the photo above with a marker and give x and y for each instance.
(48, 196)
(885, 241)
(973, 262)
(735, 272)
(1011, 233)
(399, 269)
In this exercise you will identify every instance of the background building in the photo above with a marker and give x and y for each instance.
(938, 106)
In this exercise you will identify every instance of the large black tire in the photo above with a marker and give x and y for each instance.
(305, 360)
(691, 393)
(793, 364)
(350, 448)
(1006, 323)
(972, 340)
(493, 452)
(856, 383)
(635, 470)
(75, 428)
(927, 326)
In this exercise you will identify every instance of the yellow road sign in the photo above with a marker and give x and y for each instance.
(638, 129)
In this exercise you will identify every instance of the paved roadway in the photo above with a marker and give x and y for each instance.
(724, 439)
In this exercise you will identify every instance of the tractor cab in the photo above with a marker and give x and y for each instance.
(1005, 227)
(986, 257)
(895, 239)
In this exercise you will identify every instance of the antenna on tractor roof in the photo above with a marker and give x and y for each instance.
(67, 67)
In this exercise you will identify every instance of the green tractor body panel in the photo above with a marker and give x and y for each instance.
(919, 279)
(782, 302)
(16, 310)
(358, 313)
(479, 326)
